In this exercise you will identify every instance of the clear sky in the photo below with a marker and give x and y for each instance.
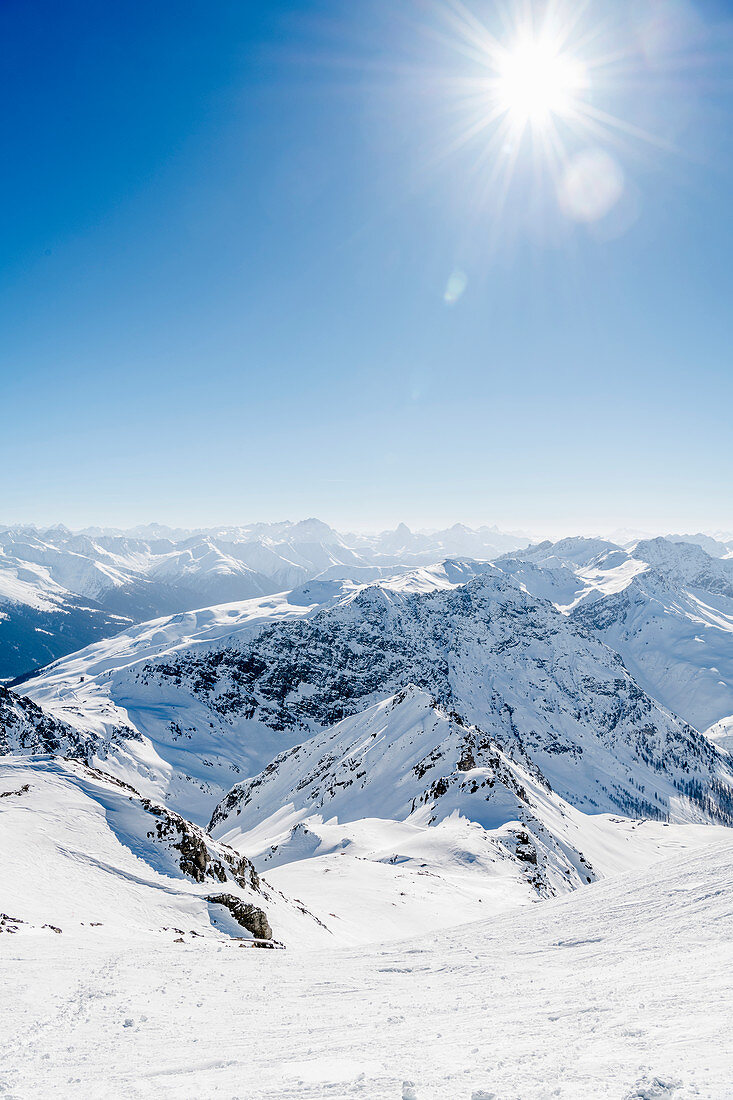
(264, 261)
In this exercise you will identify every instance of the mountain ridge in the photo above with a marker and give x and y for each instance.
(60, 590)
(550, 693)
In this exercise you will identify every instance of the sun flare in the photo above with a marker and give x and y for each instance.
(536, 81)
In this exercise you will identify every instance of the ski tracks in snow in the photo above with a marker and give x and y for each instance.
(621, 991)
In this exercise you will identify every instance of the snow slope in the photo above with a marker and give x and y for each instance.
(84, 853)
(26, 729)
(403, 817)
(405, 758)
(165, 743)
(677, 642)
(616, 992)
(400, 793)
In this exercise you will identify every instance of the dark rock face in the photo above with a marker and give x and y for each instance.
(525, 849)
(25, 728)
(545, 689)
(198, 856)
(10, 924)
(250, 917)
(21, 790)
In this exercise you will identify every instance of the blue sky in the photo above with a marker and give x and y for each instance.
(228, 229)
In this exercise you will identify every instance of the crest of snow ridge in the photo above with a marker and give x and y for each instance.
(405, 759)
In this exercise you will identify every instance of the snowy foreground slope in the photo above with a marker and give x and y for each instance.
(620, 991)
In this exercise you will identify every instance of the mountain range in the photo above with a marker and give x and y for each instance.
(381, 743)
(666, 607)
(61, 590)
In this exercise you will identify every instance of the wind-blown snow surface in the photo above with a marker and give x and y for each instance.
(620, 991)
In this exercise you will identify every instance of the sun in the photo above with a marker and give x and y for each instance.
(536, 81)
(530, 99)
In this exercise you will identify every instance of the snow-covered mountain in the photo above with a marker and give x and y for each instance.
(512, 664)
(169, 744)
(95, 690)
(420, 547)
(401, 760)
(676, 640)
(666, 607)
(454, 738)
(398, 758)
(212, 699)
(687, 564)
(717, 546)
(404, 814)
(400, 819)
(61, 590)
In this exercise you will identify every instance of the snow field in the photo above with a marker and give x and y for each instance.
(620, 991)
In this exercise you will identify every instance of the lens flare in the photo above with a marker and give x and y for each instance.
(592, 183)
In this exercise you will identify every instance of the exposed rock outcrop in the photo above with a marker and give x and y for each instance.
(198, 856)
(251, 918)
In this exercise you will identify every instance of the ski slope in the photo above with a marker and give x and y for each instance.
(620, 991)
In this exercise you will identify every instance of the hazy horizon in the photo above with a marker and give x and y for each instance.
(620, 532)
